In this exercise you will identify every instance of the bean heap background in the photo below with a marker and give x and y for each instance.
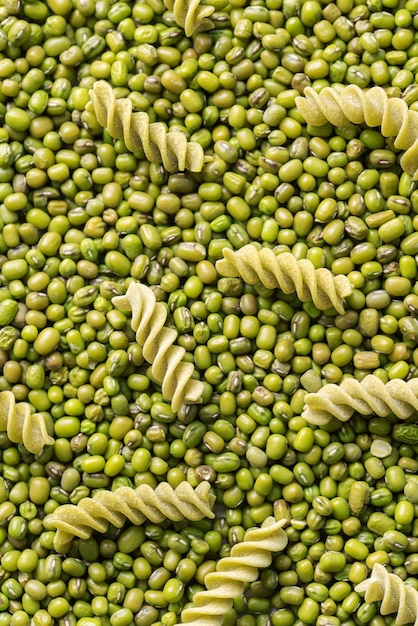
(81, 217)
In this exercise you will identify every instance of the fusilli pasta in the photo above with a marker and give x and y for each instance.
(368, 396)
(190, 15)
(372, 107)
(167, 367)
(394, 595)
(232, 572)
(288, 274)
(159, 145)
(21, 425)
(136, 505)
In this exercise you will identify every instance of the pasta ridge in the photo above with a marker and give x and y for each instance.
(368, 396)
(372, 107)
(394, 595)
(21, 425)
(136, 505)
(288, 274)
(232, 572)
(190, 15)
(167, 366)
(159, 145)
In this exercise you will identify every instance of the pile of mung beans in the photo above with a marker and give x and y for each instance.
(81, 217)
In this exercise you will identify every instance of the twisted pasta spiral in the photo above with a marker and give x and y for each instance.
(190, 15)
(368, 396)
(21, 425)
(372, 107)
(394, 595)
(136, 505)
(159, 145)
(288, 274)
(167, 367)
(232, 572)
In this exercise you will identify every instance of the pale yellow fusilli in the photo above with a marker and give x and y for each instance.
(288, 274)
(156, 340)
(232, 572)
(394, 596)
(372, 107)
(159, 145)
(136, 505)
(368, 396)
(21, 425)
(190, 15)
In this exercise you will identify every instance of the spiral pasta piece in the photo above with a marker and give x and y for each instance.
(369, 396)
(394, 595)
(136, 505)
(21, 425)
(167, 367)
(288, 274)
(170, 148)
(190, 15)
(372, 107)
(232, 572)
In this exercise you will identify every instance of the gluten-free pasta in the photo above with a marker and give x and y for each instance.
(372, 107)
(156, 340)
(21, 425)
(288, 274)
(190, 15)
(171, 148)
(232, 572)
(136, 505)
(367, 397)
(392, 593)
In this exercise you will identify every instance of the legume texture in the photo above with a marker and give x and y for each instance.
(82, 217)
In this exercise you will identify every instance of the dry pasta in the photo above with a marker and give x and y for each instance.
(368, 396)
(159, 145)
(394, 596)
(288, 274)
(167, 367)
(21, 425)
(190, 15)
(136, 505)
(372, 107)
(232, 572)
